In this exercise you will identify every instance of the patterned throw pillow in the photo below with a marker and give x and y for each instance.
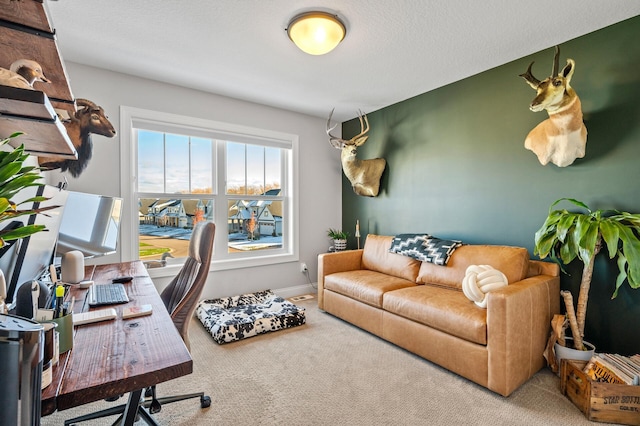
(424, 247)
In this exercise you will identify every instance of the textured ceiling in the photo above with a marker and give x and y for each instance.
(394, 49)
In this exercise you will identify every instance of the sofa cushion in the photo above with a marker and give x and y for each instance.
(443, 309)
(376, 257)
(364, 286)
(424, 247)
(513, 262)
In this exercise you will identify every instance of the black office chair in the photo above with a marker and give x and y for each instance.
(181, 298)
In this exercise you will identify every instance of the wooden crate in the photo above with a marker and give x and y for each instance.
(600, 402)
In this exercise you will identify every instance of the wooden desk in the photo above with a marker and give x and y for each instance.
(119, 356)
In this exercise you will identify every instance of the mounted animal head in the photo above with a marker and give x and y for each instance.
(553, 92)
(562, 137)
(87, 120)
(364, 175)
(93, 119)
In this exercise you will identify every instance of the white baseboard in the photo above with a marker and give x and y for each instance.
(297, 290)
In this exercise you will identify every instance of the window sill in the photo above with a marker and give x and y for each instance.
(172, 268)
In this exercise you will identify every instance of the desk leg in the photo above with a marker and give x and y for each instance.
(131, 409)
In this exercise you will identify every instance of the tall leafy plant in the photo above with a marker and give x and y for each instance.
(14, 177)
(567, 235)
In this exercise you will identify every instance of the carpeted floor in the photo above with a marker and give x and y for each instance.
(328, 372)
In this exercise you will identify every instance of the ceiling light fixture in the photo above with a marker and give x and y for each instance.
(316, 33)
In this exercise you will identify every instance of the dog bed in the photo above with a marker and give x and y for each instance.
(238, 317)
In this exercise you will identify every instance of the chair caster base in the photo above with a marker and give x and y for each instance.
(205, 401)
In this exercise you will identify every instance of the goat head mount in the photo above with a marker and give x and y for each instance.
(364, 175)
(563, 136)
(89, 118)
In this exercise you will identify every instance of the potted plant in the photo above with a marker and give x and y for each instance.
(339, 238)
(14, 177)
(566, 235)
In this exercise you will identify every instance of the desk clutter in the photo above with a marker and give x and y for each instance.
(238, 317)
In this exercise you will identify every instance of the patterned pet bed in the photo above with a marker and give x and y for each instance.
(238, 317)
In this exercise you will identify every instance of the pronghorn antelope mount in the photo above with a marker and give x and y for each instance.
(563, 136)
(364, 175)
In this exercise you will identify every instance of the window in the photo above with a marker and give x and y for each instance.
(185, 170)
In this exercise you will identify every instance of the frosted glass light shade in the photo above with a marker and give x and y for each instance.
(316, 33)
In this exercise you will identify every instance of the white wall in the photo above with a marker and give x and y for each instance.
(319, 167)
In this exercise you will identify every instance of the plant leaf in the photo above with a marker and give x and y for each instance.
(566, 222)
(22, 232)
(585, 236)
(631, 250)
(568, 250)
(573, 201)
(622, 274)
(611, 235)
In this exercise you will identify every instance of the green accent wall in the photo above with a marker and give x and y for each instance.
(457, 167)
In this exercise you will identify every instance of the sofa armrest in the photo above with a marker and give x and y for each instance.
(518, 324)
(330, 263)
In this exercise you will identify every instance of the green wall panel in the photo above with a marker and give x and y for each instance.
(457, 166)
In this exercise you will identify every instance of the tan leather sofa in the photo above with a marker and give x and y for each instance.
(420, 306)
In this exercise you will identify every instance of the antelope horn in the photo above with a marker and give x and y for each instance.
(529, 76)
(556, 59)
(85, 103)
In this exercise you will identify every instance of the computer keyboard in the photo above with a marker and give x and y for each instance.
(107, 294)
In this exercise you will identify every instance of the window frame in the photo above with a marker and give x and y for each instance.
(132, 118)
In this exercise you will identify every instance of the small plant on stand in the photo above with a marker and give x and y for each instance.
(339, 239)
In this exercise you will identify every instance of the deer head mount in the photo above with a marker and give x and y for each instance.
(563, 136)
(364, 175)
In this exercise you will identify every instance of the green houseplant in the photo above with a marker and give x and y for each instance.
(339, 238)
(567, 235)
(14, 177)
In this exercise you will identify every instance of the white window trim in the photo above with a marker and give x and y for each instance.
(212, 129)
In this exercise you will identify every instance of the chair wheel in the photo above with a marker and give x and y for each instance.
(113, 398)
(205, 401)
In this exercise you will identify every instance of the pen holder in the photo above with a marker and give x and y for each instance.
(65, 330)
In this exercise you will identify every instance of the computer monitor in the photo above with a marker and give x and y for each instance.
(90, 224)
(29, 258)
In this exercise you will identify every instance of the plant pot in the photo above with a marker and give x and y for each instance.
(568, 352)
(340, 245)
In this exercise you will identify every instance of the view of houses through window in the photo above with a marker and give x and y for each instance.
(183, 180)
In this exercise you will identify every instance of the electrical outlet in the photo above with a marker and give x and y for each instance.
(303, 268)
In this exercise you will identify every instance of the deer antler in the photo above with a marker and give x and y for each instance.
(335, 141)
(360, 138)
(357, 140)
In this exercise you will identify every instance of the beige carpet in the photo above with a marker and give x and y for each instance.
(328, 372)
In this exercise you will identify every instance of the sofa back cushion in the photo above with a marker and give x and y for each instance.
(513, 262)
(376, 257)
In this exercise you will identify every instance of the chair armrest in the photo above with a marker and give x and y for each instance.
(518, 324)
(330, 263)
